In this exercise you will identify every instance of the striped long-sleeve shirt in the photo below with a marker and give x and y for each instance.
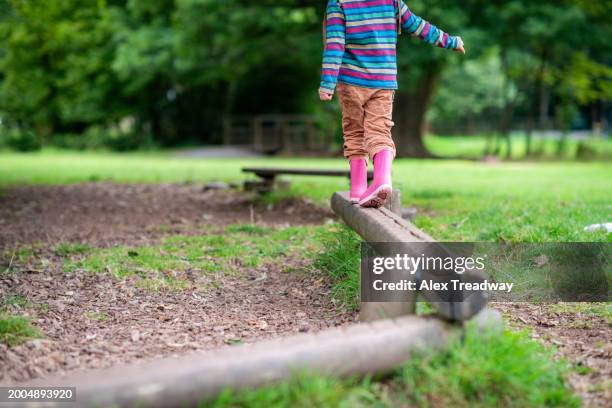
(361, 38)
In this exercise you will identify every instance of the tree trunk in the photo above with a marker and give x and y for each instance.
(155, 121)
(505, 122)
(410, 109)
(529, 133)
(544, 101)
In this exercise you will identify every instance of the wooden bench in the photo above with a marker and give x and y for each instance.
(268, 176)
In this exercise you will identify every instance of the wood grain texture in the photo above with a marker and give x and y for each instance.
(381, 225)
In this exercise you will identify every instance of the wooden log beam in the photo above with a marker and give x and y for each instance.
(271, 172)
(371, 348)
(384, 226)
(376, 224)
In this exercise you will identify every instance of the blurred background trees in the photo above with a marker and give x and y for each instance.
(130, 73)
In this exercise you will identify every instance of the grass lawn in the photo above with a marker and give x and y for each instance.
(473, 147)
(457, 200)
(486, 369)
(481, 370)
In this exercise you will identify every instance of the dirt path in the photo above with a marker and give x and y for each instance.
(104, 214)
(94, 320)
(580, 337)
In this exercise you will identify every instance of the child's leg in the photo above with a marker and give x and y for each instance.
(352, 100)
(378, 121)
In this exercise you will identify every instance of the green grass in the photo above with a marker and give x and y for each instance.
(339, 258)
(601, 310)
(96, 316)
(216, 255)
(457, 200)
(489, 369)
(15, 300)
(473, 147)
(483, 369)
(22, 254)
(66, 249)
(302, 391)
(15, 330)
(547, 272)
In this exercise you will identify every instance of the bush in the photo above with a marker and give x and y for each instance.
(116, 139)
(124, 142)
(75, 141)
(20, 140)
(98, 137)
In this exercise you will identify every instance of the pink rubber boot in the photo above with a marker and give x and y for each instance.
(380, 189)
(359, 178)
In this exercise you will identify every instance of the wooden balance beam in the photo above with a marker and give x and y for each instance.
(371, 348)
(268, 176)
(368, 348)
(385, 225)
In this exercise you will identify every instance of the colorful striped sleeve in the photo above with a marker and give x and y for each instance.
(426, 31)
(335, 34)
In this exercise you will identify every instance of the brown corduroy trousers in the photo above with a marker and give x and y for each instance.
(367, 119)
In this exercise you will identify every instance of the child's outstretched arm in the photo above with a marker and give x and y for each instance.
(335, 32)
(428, 32)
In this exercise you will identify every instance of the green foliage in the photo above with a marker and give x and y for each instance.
(54, 64)
(479, 90)
(126, 74)
(101, 317)
(173, 68)
(26, 141)
(581, 272)
(249, 229)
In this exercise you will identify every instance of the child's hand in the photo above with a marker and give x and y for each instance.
(460, 47)
(325, 96)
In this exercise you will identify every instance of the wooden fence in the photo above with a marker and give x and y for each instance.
(273, 134)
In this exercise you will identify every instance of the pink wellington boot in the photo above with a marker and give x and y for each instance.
(380, 189)
(359, 178)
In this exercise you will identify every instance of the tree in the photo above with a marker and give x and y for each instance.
(534, 44)
(479, 92)
(175, 68)
(54, 65)
(419, 70)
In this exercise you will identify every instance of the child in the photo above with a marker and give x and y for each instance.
(359, 56)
